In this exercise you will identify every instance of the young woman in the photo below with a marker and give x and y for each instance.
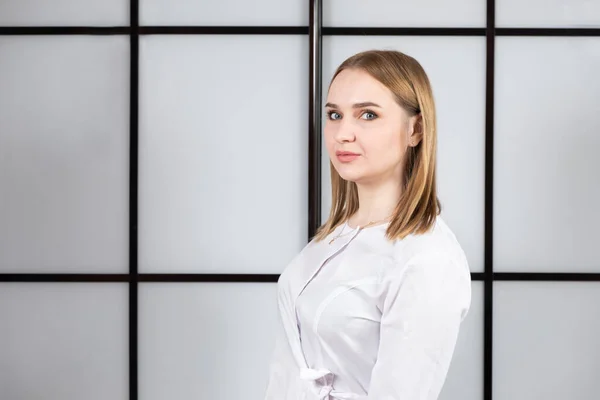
(371, 307)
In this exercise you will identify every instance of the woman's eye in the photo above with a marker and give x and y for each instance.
(334, 115)
(369, 115)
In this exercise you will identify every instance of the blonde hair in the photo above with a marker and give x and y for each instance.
(418, 205)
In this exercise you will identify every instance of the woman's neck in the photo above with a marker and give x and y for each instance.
(376, 203)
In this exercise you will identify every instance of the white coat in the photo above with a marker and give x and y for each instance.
(367, 319)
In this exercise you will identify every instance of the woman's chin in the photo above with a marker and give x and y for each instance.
(351, 176)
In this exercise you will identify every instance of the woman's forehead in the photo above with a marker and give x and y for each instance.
(356, 86)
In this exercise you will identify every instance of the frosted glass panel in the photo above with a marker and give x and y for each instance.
(546, 340)
(393, 13)
(64, 149)
(546, 185)
(206, 341)
(548, 13)
(224, 12)
(63, 341)
(456, 68)
(64, 12)
(465, 377)
(222, 153)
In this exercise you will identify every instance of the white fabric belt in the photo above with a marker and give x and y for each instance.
(324, 381)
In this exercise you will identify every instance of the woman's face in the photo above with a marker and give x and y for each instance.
(366, 131)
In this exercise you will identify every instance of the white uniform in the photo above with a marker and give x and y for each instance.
(365, 318)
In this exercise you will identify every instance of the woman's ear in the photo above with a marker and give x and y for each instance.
(415, 130)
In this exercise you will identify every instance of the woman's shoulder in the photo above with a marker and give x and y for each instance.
(438, 246)
(434, 265)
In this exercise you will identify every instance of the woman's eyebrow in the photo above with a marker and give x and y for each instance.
(356, 105)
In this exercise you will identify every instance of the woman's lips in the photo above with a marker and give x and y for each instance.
(346, 156)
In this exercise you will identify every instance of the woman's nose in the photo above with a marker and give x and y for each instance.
(346, 131)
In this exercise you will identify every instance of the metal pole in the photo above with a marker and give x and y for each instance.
(314, 117)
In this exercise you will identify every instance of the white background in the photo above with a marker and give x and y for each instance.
(222, 155)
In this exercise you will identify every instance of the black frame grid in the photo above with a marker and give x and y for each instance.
(315, 32)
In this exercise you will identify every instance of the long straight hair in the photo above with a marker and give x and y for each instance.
(418, 206)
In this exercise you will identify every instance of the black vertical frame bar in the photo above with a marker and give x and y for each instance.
(314, 116)
(133, 196)
(489, 202)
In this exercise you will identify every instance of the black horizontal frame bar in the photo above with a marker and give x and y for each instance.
(125, 278)
(547, 32)
(235, 278)
(392, 31)
(154, 30)
(65, 30)
(265, 278)
(428, 31)
(292, 30)
(66, 277)
(547, 276)
(224, 30)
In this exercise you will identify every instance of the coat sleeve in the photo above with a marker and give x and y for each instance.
(422, 310)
